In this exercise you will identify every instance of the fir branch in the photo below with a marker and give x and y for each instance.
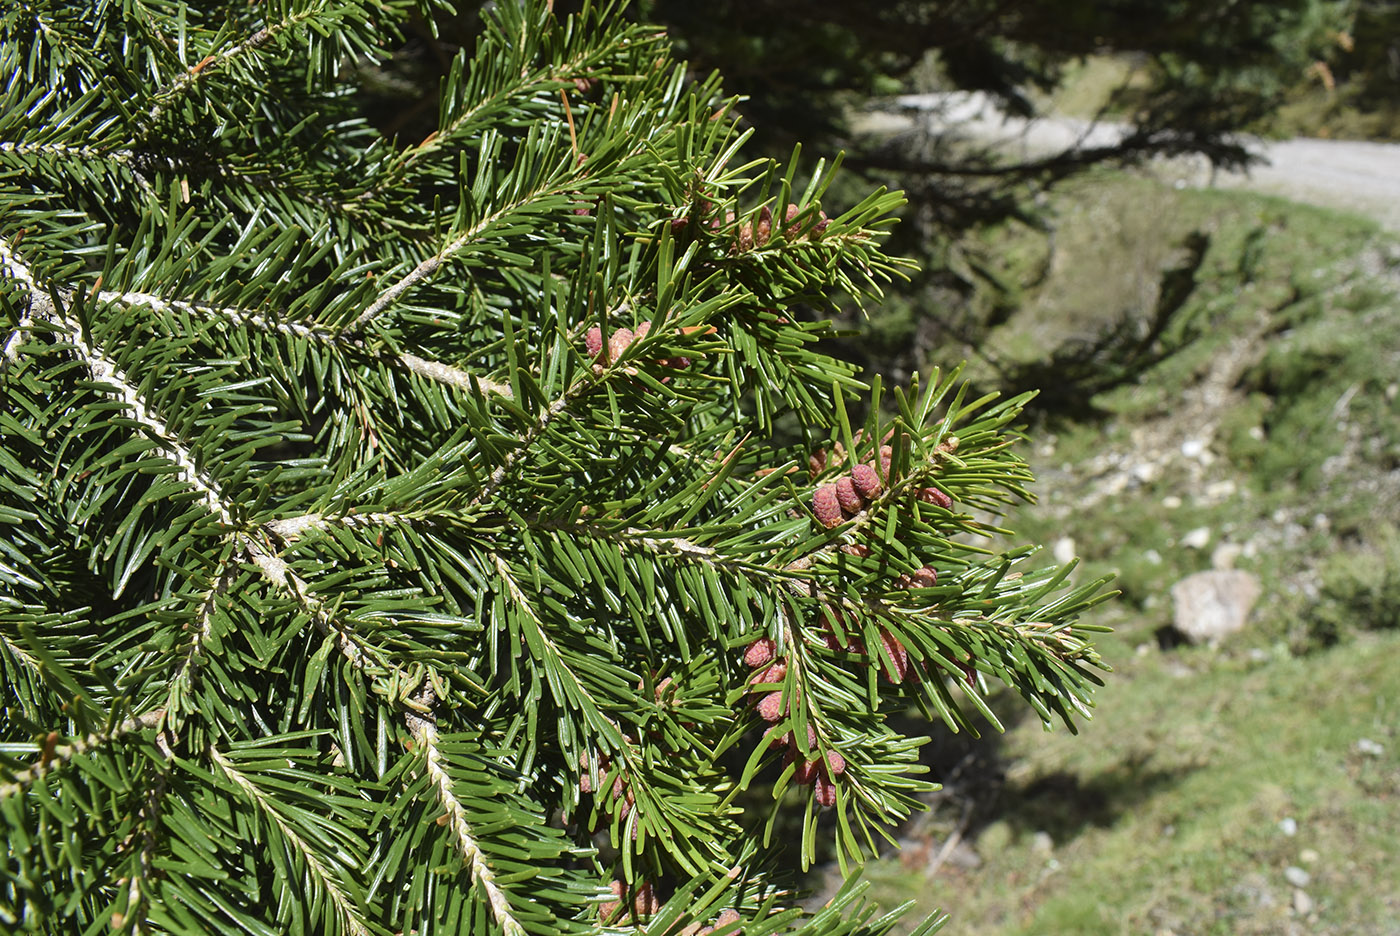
(123, 158)
(128, 394)
(425, 736)
(21, 655)
(56, 755)
(214, 61)
(449, 137)
(185, 671)
(559, 406)
(291, 529)
(276, 571)
(16, 269)
(433, 370)
(429, 265)
(349, 914)
(124, 390)
(145, 870)
(553, 660)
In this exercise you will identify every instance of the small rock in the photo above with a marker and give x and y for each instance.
(1197, 538)
(1153, 556)
(1369, 748)
(1220, 490)
(1225, 555)
(1171, 502)
(1192, 448)
(963, 856)
(1288, 826)
(1042, 843)
(1309, 856)
(1297, 876)
(1064, 549)
(1302, 903)
(1210, 606)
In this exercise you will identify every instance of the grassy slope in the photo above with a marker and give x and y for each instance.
(1281, 364)
(1164, 813)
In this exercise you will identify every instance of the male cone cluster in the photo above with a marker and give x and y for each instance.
(895, 662)
(833, 503)
(619, 340)
(819, 774)
(846, 497)
(760, 232)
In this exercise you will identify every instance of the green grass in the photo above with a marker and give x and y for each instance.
(1164, 812)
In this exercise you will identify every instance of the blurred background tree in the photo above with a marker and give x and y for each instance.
(1183, 78)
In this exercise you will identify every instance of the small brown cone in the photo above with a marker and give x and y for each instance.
(593, 341)
(745, 241)
(826, 504)
(760, 652)
(924, 577)
(824, 790)
(772, 706)
(851, 502)
(608, 908)
(866, 481)
(806, 771)
(835, 763)
(645, 904)
(897, 667)
(932, 495)
(774, 673)
(618, 342)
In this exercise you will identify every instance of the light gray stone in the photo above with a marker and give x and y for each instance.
(1297, 876)
(1369, 748)
(1210, 606)
(1197, 538)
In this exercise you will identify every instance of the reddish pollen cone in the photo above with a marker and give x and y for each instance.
(760, 652)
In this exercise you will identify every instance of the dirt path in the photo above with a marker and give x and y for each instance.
(1351, 176)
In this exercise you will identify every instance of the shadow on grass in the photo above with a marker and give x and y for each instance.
(1064, 804)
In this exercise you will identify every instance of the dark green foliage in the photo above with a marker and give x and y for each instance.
(1204, 69)
(341, 586)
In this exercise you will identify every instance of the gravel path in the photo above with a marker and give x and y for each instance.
(1352, 176)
